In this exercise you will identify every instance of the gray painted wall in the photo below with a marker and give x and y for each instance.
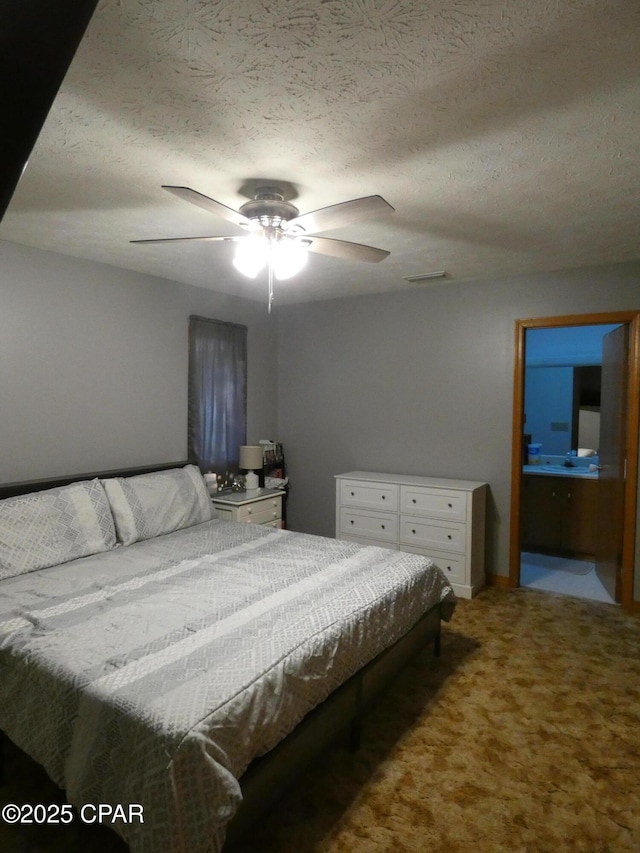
(419, 381)
(93, 374)
(93, 364)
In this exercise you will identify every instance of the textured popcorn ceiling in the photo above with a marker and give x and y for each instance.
(505, 133)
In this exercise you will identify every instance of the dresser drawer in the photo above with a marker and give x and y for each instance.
(452, 565)
(430, 533)
(369, 495)
(436, 503)
(260, 512)
(370, 525)
(362, 540)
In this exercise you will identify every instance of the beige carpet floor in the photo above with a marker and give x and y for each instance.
(523, 737)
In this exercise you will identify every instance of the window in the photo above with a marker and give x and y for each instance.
(217, 418)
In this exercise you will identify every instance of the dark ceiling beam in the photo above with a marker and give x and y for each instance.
(38, 40)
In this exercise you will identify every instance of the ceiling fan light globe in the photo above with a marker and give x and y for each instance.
(289, 258)
(251, 256)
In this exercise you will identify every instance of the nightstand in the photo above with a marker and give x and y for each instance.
(261, 507)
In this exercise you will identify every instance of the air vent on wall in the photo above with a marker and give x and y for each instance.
(425, 276)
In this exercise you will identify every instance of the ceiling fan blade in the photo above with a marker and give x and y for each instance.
(185, 239)
(338, 215)
(344, 250)
(208, 204)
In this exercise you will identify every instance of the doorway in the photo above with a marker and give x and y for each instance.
(623, 582)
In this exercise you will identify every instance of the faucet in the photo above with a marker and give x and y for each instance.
(568, 462)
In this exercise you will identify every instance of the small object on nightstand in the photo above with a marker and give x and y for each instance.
(228, 482)
(211, 482)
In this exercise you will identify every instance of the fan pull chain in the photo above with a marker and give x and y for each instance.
(270, 266)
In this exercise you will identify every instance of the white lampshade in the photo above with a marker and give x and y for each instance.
(251, 456)
(251, 460)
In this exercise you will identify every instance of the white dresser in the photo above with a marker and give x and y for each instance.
(261, 507)
(442, 519)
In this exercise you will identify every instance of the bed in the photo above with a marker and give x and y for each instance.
(152, 654)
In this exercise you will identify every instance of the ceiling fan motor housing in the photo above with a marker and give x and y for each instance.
(269, 209)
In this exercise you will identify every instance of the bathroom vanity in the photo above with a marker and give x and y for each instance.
(559, 510)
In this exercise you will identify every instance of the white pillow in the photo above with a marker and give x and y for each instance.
(54, 526)
(149, 505)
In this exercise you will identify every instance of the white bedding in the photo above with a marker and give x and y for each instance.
(155, 673)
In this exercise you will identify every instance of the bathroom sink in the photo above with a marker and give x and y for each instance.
(565, 469)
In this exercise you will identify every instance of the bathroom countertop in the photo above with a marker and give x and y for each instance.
(560, 471)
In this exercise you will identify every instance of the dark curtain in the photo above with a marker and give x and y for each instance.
(217, 419)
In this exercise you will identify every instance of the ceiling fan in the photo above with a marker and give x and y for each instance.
(278, 236)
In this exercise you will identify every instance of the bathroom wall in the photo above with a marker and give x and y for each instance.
(566, 345)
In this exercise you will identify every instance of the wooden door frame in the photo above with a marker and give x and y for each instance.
(632, 318)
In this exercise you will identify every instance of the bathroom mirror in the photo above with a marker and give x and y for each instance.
(563, 370)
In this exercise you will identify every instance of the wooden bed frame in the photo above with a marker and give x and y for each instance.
(268, 777)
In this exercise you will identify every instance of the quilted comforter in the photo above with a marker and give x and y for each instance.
(154, 673)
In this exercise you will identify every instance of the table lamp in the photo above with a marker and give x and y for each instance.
(251, 461)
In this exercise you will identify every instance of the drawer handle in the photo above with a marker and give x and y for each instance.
(413, 531)
(449, 536)
(448, 568)
(382, 526)
(352, 494)
(414, 501)
(248, 512)
(450, 506)
(351, 522)
(384, 497)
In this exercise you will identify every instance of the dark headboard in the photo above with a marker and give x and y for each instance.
(9, 490)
